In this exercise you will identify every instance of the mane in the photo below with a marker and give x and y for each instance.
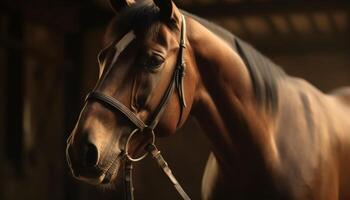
(144, 19)
(264, 73)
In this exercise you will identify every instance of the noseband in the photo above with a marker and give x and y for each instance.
(176, 83)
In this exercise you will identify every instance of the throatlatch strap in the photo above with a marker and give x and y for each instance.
(166, 169)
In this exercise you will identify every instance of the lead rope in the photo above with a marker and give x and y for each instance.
(128, 185)
(166, 169)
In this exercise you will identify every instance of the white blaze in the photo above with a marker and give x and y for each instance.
(120, 47)
(122, 44)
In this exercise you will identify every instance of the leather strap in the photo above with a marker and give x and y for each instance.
(166, 169)
(128, 184)
(117, 105)
(161, 107)
(182, 64)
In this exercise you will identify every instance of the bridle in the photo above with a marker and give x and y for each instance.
(142, 127)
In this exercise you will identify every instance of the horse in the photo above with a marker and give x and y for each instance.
(273, 136)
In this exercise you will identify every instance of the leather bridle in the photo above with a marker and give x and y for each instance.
(143, 127)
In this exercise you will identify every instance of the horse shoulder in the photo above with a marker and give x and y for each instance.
(342, 100)
(303, 135)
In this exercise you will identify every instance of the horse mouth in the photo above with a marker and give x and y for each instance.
(103, 177)
(112, 171)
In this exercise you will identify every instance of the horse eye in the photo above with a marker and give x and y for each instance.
(153, 62)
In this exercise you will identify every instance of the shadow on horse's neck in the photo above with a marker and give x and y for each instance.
(225, 105)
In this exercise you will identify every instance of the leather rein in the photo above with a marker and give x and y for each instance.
(142, 127)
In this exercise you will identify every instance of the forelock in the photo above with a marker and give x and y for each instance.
(143, 18)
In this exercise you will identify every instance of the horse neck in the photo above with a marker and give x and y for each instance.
(225, 105)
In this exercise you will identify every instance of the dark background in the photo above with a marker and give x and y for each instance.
(48, 63)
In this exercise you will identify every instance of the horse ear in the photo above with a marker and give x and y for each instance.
(167, 9)
(118, 5)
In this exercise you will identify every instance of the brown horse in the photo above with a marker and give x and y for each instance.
(273, 136)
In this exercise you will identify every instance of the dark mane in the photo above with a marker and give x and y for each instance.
(264, 73)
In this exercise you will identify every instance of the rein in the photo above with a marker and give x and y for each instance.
(176, 83)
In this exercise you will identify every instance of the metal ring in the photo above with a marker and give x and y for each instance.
(127, 144)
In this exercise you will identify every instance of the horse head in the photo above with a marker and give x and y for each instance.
(142, 92)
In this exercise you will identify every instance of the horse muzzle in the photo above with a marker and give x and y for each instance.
(94, 174)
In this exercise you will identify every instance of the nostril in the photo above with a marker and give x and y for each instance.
(90, 155)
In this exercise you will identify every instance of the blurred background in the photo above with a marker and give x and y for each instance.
(48, 63)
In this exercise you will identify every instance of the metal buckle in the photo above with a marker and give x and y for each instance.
(127, 146)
